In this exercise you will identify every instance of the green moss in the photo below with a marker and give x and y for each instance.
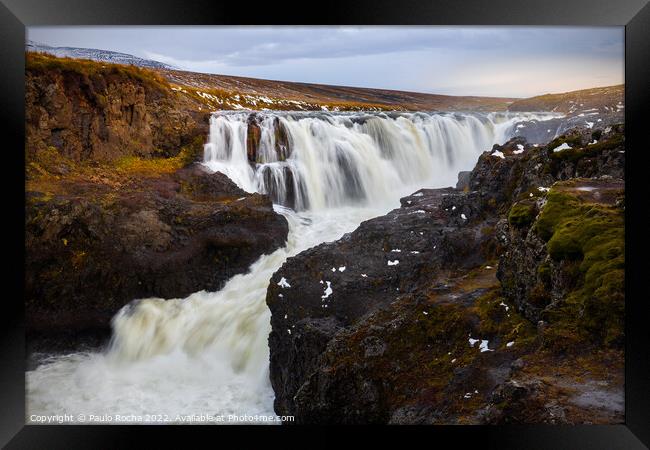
(504, 324)
(559, 206)
(539, 296)
(593, 236)
(152, 166)
(544, 273)
(571, 140)
(577, 153)
(522, 213)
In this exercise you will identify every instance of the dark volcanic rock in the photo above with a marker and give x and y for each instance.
(94, 248)
(463, 180)
(524, 167)
(385, 258)
(385, 325)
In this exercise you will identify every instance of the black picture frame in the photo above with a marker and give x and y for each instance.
(15, 15)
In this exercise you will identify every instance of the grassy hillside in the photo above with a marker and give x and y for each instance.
(230, 92)
(609, 99)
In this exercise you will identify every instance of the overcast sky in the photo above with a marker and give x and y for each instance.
(490, 61)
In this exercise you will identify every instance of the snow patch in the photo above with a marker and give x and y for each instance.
(328, 290)
(484, 346)
(559, 148)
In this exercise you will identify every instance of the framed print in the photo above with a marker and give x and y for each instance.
(423, 217)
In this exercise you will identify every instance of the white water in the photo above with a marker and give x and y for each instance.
(354, 158)
(208, 353)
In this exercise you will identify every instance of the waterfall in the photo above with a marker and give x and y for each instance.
(328, 160)
(208, 353)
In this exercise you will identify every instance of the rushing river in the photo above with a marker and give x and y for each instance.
(207, 354)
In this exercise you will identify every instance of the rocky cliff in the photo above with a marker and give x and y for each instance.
(98, 111)
(496, 302)
(116, 208)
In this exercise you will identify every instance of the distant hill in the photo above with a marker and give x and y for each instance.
(230, 92)
(96, 55)
(608, 99)
(225, 92)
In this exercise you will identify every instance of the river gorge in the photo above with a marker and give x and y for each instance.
(340, 169)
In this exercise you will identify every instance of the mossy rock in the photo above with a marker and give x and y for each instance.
(592, 236)
(576, 153)
(522, 213)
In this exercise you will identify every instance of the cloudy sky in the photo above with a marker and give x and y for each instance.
(491, 61)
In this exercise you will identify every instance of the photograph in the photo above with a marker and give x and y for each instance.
(325, 225)
(411, 218)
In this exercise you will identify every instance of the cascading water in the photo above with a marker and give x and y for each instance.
(349, 159)
(208, 353)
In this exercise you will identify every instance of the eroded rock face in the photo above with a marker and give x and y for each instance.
(100, 113)
(569, 260)
(94, 247)
(335, 286)
(508, 171)
(404, 321)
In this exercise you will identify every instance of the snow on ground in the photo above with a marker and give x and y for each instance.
(564, 146)
(284, 283)
(328, 290)
(484, 346)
